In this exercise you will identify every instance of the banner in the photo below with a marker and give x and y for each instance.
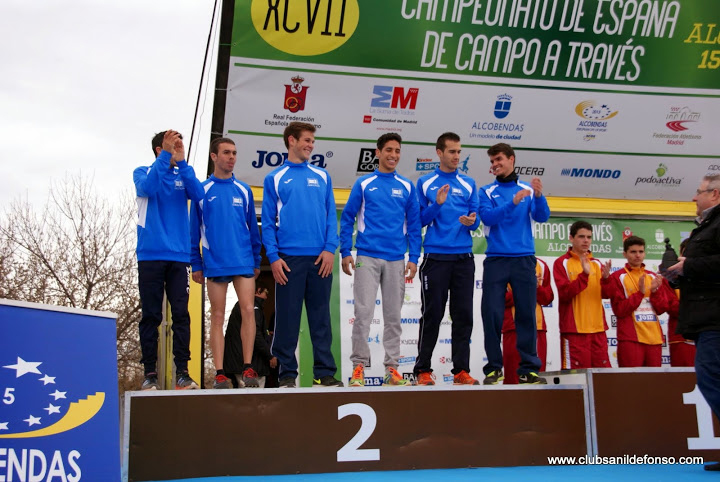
(601, 98)
(59, 416)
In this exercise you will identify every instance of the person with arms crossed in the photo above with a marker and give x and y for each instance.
(388, 224)
(545, 296)
(163, 252)
(698, 273)
(507, 209)
(300, 236)
(224, 222)
(448, 207)
(637, 299)
(582, 282)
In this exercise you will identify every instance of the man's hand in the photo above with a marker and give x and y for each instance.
(410, 270)
(256, 273)
(606, 269)
(325, 259)
(641, 284)
(520, 195)
(585, 264)
(273, 362)
(442, 193)
(178, 152)
(278, 270)
(168, 142)
(468, 220)
(675, 270)
(656, 283)
(347, 263)
(536, 184)
(197, 277)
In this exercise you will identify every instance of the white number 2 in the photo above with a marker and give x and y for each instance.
(350, 451)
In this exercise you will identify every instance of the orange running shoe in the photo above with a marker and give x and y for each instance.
(426, 378)
(358, 376)
(464, 378)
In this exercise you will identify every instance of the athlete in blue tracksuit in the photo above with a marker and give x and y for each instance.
(448, 207)
(163, 251)
(388, 223)
(299, 225)
(507, 209)
(224, 222)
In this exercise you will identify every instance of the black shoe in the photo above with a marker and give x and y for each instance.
(184, 382)
(150, 382)
(286, 383)
(712, 467)
(531, 378)
(493, 378)
(327, 381)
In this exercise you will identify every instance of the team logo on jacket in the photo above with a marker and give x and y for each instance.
(295, 94)
(179, 184)
(397, 193)
(237, 201)
(456, 192)
(313, 182)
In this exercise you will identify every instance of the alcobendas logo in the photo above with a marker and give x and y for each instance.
(308, 28)
(595, 116)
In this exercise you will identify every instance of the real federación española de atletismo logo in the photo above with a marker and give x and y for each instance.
(305, 28)
(35, 404)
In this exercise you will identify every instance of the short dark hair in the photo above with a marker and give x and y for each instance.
(448, 136)
(260, 286)
(633, 241)
(578, 225)
(501, 148)
(385, 138)
(295, 129)
(215, 144)
(157, 141)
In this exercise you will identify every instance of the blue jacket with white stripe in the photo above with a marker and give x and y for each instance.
(298, 211)
(224, 222)
(445, 233)
(388, 218)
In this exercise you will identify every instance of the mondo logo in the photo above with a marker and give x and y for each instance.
(305, 28)
(591, 173)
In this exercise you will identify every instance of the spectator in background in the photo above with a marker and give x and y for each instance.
(545, 296)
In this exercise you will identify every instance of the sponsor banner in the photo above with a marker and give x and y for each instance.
(562, 174)
(591, 41)
(587, 95)
(594, 157)
(419, 110)
(58, 382)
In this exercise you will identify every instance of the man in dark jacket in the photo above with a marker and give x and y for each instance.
(262, 359)
(699, 276)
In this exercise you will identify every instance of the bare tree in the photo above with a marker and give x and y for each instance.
(80, 253)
